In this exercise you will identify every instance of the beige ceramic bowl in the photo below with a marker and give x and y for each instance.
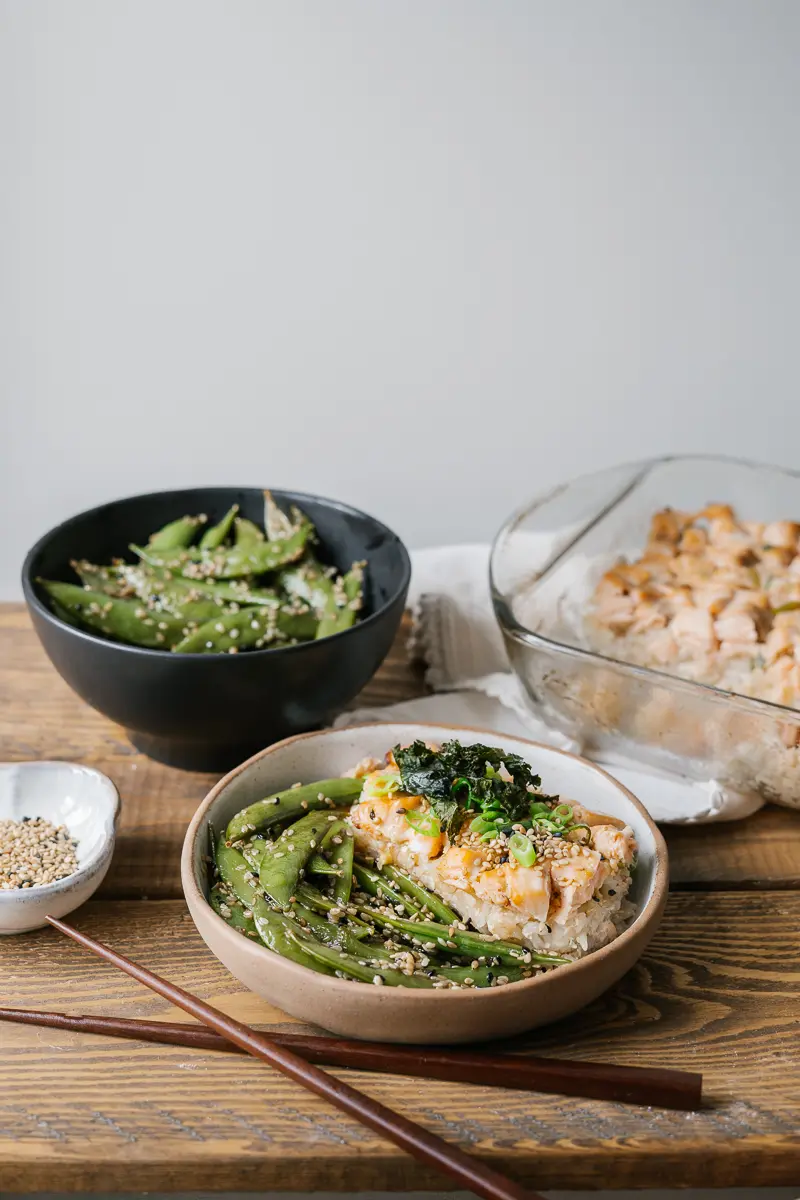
(390, 1014)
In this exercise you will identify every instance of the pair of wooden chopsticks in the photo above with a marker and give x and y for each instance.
(290, 1054)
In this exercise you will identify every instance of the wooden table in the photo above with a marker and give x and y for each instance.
(718, 992)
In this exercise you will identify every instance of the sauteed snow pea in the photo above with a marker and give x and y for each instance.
(202, 583)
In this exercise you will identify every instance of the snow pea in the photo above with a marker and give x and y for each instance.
(348, 964)
(232, 913)
(464, 943)
(237, 591)
(308, 581)
(276, 522)
(312, 898)
(346, 600)
(424, 898)
(258, 558)
(176, 535)
(270, 926)
(277, 933)
(283, 860)
(375, 884)
(291, 803)
(216, 534)
(234, 870)
(338, 843)
(319, 865)
(230, 632)
(126, 620)
(481, 976)
(109, 580)
(247, 533)
(339, 935)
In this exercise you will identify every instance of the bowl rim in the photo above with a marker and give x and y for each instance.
(34, 602)
(95, 860)
(344, 987)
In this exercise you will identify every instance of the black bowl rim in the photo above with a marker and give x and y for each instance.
(33, 601)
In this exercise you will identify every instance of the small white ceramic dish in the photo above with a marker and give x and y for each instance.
(67, 794)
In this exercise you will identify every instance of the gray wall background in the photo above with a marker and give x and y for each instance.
(423, 255)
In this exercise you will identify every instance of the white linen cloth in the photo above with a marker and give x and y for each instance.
(455, 633)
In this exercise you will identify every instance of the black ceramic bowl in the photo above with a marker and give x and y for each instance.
(210, 711)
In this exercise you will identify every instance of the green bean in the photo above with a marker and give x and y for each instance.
(216, 534)
(284, 859)
(339, 843)
(176, 535)
(425, 899)
(293, 802)
(247, 533)
(348, 964)
(374, 884)
(312, 898)
(466, 944)
(229, 633)
(126, 620)
(232, 914)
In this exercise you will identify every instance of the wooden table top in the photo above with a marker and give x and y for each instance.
(717, 992)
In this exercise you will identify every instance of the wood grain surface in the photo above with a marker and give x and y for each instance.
(714, 994)
(718, 992)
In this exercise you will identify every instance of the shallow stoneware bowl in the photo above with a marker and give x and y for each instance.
(391, 1014)
(67, 794)
(207, 712)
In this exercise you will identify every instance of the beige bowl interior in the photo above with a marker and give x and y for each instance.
(399, 1014)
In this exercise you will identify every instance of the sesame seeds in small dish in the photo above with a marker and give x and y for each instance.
(57, 832)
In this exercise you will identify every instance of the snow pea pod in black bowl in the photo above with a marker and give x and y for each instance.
(202, 710)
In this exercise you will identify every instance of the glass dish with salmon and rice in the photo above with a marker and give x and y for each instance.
(652, 610)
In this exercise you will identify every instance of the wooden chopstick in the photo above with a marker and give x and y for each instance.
(565, 1077)
(423, 1145)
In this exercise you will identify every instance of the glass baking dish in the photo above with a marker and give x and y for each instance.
(545, 563)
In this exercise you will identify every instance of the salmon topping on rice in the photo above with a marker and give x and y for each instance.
(513, 862)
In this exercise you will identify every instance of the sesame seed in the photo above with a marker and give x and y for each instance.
(34, 852)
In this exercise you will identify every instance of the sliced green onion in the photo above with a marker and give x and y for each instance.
(547, 825)
(522, 849)
(539, 808)
(489, 835)
(479, 824)
(385, 785)
(424, 823)
(458, 785)
(564, 811)
(573, 828)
